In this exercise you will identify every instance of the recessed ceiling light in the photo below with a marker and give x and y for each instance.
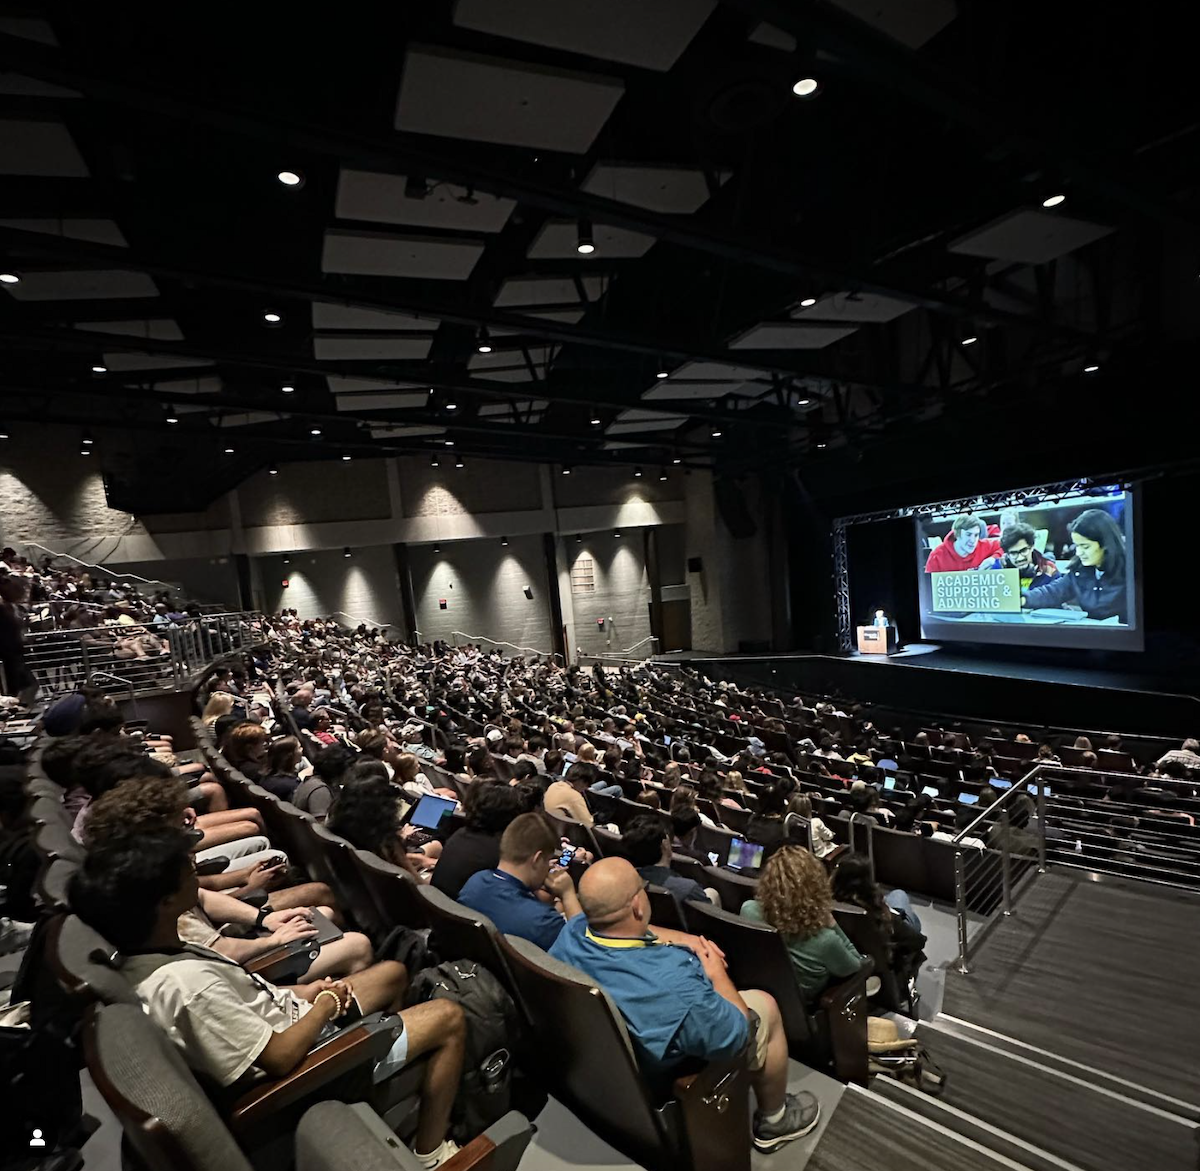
(566, 471)
(437, 548)
(970, 341)
(87, 440)
(803, 402)
(274, 471)
(434, 462)
(99, 369)
(85, 451)
(585, 244)
(806, 87)
(3, 433)
(229, 451)
(483, 343)
(808, 302)
(9, 278)
(290, 178)
(314, 431)
(504, 541)
(663, 374)
(449, 442)
(346, 551)
(458, 463)
(617, 533)
(172, 417)
(637, 471)
(596, 420)
(822, 445)
(347, 457)
(287, 390)
(1054, 200)
(1091, 369)
(677, 460)
(272, 318)
(662, 475)
(716, 432)
(452, 406)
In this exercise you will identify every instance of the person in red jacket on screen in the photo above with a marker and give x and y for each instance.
(966, 547)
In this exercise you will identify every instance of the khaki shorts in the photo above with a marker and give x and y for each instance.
(758, 1003)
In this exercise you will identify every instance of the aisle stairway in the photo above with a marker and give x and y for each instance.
(1008, 1104)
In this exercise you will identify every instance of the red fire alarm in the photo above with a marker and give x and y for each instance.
(441, 603)
(285, 583)
(600, 623)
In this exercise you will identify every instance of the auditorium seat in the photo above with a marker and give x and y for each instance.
(664, 910)
(734, 889)
(397, 895)
(703, 1125)
(354, 895)
(831, 1036)
(459, 933)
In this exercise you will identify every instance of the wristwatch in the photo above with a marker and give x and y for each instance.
(263, 911)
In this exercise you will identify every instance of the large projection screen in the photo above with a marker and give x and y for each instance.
(1043, 573)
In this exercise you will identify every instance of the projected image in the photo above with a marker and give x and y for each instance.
(1062, 573)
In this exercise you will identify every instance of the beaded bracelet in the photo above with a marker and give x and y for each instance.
(336, 999)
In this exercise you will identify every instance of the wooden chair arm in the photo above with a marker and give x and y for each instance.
(338, 1056)
(715, 1104)
(846, 1010)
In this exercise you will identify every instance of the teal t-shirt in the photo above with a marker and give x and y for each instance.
(818, 960)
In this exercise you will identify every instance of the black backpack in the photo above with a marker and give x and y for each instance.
(486, 1089)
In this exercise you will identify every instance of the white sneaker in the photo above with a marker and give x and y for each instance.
(439, 1155)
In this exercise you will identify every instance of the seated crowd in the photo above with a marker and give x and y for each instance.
(578, 809)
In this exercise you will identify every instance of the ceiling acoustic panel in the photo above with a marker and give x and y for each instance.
(509, 365)
(667, 189)
(787, 335)
(648, 33)
(911, 22)
(82, 285)
(666, 389)
(411, 431)
(160, 329)
(557, 240)
(121, 362)
(503, 412)
(548, 291)
(39, 146)
(360, 348)
(379, 198)
(492, 99)
(719, 372)
(1027, 236)
(380, 254)
(348, 384)
(861, 308)
(329, 316)
(380, 402)
(97, 231)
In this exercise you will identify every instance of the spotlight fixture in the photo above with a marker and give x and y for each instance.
(1091, 368)
(346, 551)
(578, 538)
(617, 534)
(566, 470)
(347, 458)
(3, 433)
(172, 417)
(677, 460)
(98, 369)
(290, 178)
(458, 463)
(1054, 200)
(595, 419)
(504, 541)
(87, 440)
(716, 432)
(452, 406)
(806, 87)
(286, 559)
(314, 431)
(437, 548)
(663, 374)
(637, 472)
(85, 451)
(970, 340)
(449, 442)
(434, 463)
(272, 318)
(662, 473)
(808, 302)
(229, 451)
(822, 446)
(272, 470)
(586, 243)
(287, 390)
(9, 278)
(483, 343)
(803, 402)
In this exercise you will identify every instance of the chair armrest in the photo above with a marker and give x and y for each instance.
(365, 1041)
(846, 1010)
(715, 1104)
(293, 958)
(499, 1148)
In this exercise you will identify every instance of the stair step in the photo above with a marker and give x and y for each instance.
(1101, 1078)
(993, 1138)
(1057, 1111)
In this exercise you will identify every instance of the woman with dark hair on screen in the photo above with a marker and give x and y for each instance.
(1095, 579)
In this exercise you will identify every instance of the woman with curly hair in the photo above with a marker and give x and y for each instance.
(794, 897)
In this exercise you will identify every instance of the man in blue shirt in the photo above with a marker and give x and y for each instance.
(678, 1001)
(529, 853)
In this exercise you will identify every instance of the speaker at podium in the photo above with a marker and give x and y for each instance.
(879, 637)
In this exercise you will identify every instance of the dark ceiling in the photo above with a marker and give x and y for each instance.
(452, 154)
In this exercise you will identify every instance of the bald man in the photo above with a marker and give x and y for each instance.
(677, 998)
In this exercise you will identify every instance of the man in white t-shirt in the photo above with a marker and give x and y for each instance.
(230, 1025)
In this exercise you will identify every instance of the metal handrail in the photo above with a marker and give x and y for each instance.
(90, 565)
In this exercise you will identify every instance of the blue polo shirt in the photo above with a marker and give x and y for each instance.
(512, 906)
(670, 1007)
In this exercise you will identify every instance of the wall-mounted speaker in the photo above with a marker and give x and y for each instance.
(695, 565)
(529, 593)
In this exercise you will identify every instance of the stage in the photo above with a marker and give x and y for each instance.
(1034, 688)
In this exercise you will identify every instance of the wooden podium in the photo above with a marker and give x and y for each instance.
(876, 640)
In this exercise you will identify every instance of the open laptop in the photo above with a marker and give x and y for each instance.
(930, 791)
(968, 798)
(744, 856)
(889, 782)
(430, 812)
